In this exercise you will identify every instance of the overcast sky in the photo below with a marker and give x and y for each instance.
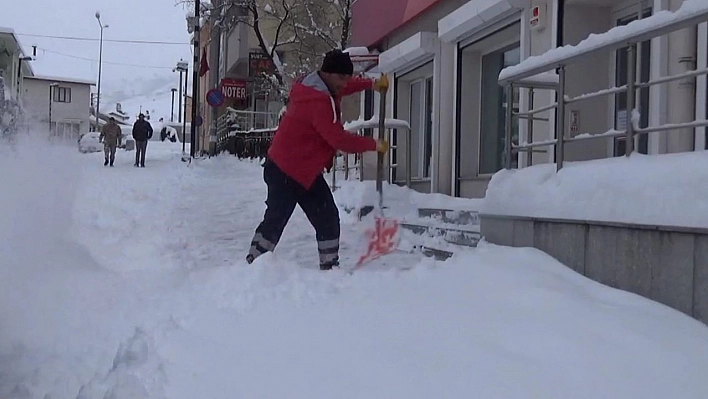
(152, 20)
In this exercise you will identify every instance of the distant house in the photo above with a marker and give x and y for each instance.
(119, 114)
(62, 103)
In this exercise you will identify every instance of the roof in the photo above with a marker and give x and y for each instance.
(11, 32)
(62, 79)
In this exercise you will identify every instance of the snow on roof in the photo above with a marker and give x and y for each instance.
(11, 32)
(374, 123)
(690, 13)
(62, 79)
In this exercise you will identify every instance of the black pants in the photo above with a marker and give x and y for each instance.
(317, 203)
(140, 148)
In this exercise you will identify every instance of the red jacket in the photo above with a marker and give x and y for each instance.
(311, 132)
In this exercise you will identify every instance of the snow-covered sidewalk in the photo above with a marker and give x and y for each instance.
(125, 283)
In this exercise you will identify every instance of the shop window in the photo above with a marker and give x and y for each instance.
(493, 110)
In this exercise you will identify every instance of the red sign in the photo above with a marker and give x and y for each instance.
(234, 88)
(260, 64)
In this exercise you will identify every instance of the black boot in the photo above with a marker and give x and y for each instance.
(105, 162)
(330, 265)
(249, 259)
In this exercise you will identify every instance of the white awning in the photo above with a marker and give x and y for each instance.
(474, 16)
(415, 49)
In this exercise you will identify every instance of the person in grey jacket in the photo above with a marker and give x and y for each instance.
(142, 132)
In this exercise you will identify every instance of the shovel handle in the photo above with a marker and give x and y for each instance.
(380, 156)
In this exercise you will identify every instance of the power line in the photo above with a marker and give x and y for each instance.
(89, 39)
(105, 62)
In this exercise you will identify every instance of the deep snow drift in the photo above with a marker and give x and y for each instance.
(125, 283)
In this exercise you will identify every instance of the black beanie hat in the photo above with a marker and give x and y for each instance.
(336, 61)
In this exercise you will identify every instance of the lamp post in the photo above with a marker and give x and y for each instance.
(51, 91)
(172, 112)
(182, 67)
(100, 59)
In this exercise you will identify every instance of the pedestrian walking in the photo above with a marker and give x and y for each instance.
(308, 136)
(142, 132)
(111, 137)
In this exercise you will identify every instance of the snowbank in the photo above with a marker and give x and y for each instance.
(398, 201)
(619, 34)
(656, 190)
(146, 295)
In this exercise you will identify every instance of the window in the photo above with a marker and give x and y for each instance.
(493, 110)
(66, 130)
(621, 64)
(421, 115)
(62, 95)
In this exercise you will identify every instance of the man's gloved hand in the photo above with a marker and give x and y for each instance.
(382, 146)
(381, 84)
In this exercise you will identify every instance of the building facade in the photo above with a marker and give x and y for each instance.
(445, 57)
(63, 104)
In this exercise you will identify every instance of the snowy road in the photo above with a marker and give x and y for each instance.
(125, 283)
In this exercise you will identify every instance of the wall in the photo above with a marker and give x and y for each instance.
(36, 102)
(580, 21)
(666, 264)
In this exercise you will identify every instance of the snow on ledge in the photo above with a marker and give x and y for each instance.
(619, 36)
(373, 123)
(668, 190)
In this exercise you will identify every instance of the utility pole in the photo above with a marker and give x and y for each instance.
(195, 80)
(215, 46)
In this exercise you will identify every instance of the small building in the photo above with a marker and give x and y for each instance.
(63, 104)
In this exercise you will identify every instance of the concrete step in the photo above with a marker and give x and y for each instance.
(459, 217)
(438, 254)
(456, 236)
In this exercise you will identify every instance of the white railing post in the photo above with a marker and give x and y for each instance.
(508, 150)
(631, 97)
(560, 119)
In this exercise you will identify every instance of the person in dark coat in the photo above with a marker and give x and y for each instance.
(308, 136)
(142, 132)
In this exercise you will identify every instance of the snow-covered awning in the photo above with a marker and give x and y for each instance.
(472, 17)
(692, 12)
(415, 49)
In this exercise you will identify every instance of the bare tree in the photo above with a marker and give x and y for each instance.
(302, 29)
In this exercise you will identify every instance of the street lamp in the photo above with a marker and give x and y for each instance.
(172, 113)
(100, 58)
(182, 67)
(51, 86)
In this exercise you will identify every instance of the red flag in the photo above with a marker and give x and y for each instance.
(204, 67)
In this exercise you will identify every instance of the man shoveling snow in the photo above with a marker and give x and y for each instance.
(309, 135)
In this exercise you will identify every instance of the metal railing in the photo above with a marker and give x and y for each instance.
(238, 131)
(358, 159)
(523, 77)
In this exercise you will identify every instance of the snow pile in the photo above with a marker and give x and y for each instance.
(142, 292)
(398, 201)
(644, 189)
(619, 34)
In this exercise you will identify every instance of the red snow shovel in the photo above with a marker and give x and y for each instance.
(383, 239)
